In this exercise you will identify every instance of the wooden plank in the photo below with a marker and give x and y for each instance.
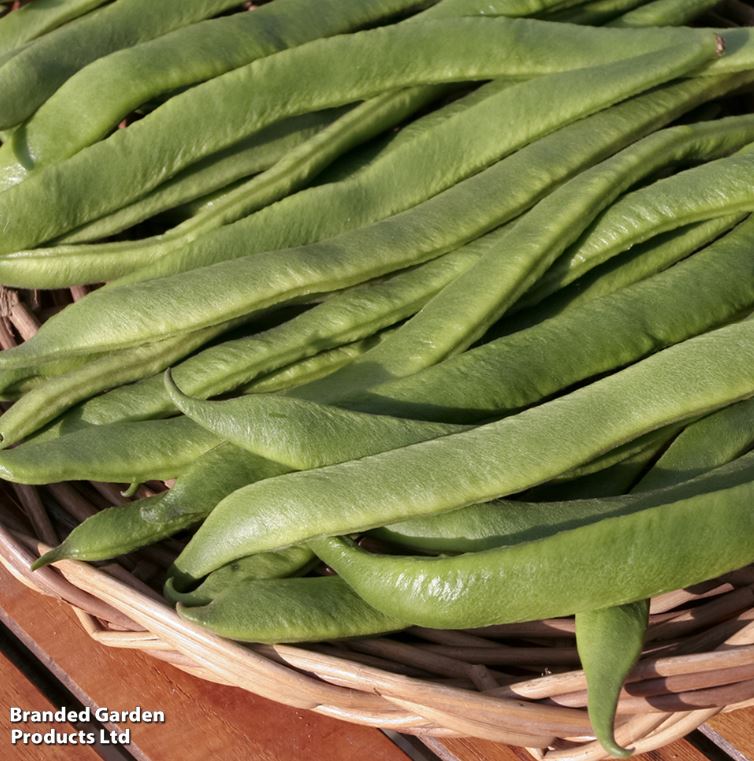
(19, 692)
(464, 749)
(203, 720)
(733, 732)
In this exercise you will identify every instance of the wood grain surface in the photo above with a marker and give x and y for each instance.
(205, 720)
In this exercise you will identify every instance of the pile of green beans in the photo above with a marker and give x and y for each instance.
(470, 279)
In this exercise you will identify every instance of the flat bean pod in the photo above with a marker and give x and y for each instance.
(107, 454)
(597, 12)
(417, 168)
(611, 562)
(31, 76)
(290, 610)
(313, 368)
(409, 171)
(118, 530)
(518, 257)
(302, 435)
(58, 393)
(107, 175)
(632, 266)
(266, 565)
(718, 188)
(26, 24)
(125, 315)
(689, 379)
(93, 101)
(584, 341)
(211, 175)
(343, 319)
(704, 445)
(664, 13)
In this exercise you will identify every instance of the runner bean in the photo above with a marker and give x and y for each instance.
(107, 175)
(31, 76)
(689, 379)
(236, 287)
(685, 541)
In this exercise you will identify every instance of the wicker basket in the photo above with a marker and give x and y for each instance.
(517, 684)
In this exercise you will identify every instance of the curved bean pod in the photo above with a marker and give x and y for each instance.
(290, 610)
(609, 643)
(54, 395)
(107, 175)
(93, 101)
(313, 368)
(266, 565)
(705, 291)
(517, 258)
(302, 435)
(707, 444)
(632, 266)
(718, 188)
(597, 12)
(410, 171)
(215, 173)
(31, 76)
(671, 546)
(343, 319)
(126, 314)
(118, 530)
(107, 454)
(688, 379)
(26, 24)
(664, 13)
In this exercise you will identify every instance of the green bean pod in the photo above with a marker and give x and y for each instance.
(664, 13)
(165, 449)
(107, 175)
(521, 254)
(713, 441)
(31, 76)
(211, 176)
(26, 24)
(703, 292)
(718, 188)
(125, 315)
(348, 317)
(632, 266)
(689, 379)
(611, 562)
(93, 101)
(596, 12)
(266, 565)
(290, 610)
(302, 435)
(119, 530)
(609, 643)
(57, 394)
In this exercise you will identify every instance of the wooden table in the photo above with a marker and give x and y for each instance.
(47, 661)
